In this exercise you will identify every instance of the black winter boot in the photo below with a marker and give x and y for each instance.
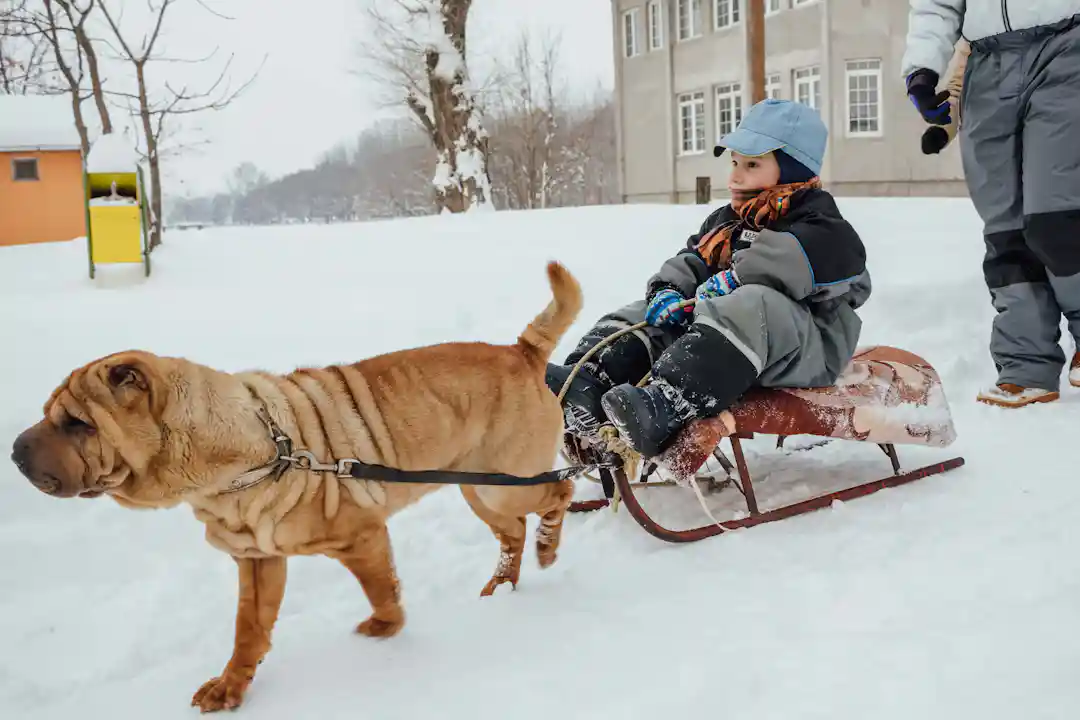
(647, 417)
(581, 405)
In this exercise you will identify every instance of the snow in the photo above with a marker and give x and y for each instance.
(952, 597)
(430, 31)
(112, 153)
(31, 122)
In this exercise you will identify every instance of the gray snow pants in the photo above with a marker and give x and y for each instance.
(787, 345)
(1020, 145)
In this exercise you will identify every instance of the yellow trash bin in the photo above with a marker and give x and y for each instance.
(117, 219)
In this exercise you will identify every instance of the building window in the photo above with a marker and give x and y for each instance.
(864, 97)
(629, 33)
(797, 3)
(24, 169)
(692, 123)
(689, 12)
(772, 86)
(808, 87)
(728, 108)
(726, 13)
(656, 25)
(772, 7)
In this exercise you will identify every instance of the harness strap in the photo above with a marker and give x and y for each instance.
(286, 458)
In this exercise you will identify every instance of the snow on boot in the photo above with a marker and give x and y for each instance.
(1013, 396)
(1074, 370)
(647, 417)
(582, 411)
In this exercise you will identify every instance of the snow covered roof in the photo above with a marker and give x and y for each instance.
(37, 122)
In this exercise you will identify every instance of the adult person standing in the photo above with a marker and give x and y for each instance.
(1020, 146)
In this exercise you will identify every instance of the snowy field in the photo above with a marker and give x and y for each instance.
(957, 596)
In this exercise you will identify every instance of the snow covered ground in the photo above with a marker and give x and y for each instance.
(955, 597)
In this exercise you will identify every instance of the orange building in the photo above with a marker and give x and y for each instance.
(41, 171)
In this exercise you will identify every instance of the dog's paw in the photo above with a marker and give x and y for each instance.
(546, 555)
(225, 692)
(378, 628)
(495, 582)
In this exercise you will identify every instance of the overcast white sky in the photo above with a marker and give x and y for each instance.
(308, 95)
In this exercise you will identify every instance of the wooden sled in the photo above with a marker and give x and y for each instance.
(887, 396)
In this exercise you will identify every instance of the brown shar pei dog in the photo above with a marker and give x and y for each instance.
(153, 432)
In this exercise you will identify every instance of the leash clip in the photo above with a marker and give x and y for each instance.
(306, 460)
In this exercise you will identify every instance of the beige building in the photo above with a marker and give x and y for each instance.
(681, 83)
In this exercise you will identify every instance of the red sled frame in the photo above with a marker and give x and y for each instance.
(616, 480)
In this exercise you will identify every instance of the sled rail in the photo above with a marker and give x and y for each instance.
(887, 396)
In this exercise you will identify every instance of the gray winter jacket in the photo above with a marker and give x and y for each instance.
(811, 254)
(934, 26)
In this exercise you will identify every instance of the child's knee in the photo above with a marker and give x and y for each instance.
(747, 307)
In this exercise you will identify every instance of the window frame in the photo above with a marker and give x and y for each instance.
(774, 81)
(32, 161)
(876, 72)
(693, 17)
(654, 25)
(731, 17)
(694, 100)
(732, 91)
(631, 45)
(812, 78)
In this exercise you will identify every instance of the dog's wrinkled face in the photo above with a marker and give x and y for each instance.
(102, 429)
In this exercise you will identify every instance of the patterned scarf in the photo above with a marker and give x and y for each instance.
(756, 209)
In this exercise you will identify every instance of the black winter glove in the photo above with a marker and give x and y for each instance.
(933, 106)
(934, 140)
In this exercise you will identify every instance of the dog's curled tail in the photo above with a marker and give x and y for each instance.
(544, 332)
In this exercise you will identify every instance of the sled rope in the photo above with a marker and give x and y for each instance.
(610, 441)
(607, 341)
(597, 348)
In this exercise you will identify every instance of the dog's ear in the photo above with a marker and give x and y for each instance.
(132, 376)
(128, 375)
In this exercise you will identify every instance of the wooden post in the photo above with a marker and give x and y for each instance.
(703, 190)
(755, 49)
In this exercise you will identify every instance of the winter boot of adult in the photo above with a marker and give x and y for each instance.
(582, 411)
(1074, 370)
(647, 417)
(1008, 395)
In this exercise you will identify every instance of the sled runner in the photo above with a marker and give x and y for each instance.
(887, 396)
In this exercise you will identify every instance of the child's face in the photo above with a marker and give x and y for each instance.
(753, 173)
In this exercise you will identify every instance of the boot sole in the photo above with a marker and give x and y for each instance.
(620, 408)
(1018, 403)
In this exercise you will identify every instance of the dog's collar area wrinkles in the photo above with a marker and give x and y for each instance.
(283, 457)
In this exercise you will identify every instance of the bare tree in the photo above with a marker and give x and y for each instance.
(63, 57)
(76, 17)
(525, 123)
(420, 52)
(155, 109)
(23, 51)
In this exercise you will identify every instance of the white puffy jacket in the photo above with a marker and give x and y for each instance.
(934, 26)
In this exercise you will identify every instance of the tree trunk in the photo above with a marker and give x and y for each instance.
(95, 79)
(461, 176)
(80, 124)
(152, 158)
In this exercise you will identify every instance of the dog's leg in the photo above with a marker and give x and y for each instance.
(510, 532)
(372, 563)
(262, 587)
(549, 533)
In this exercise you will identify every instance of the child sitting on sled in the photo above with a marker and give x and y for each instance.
(776, 276)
